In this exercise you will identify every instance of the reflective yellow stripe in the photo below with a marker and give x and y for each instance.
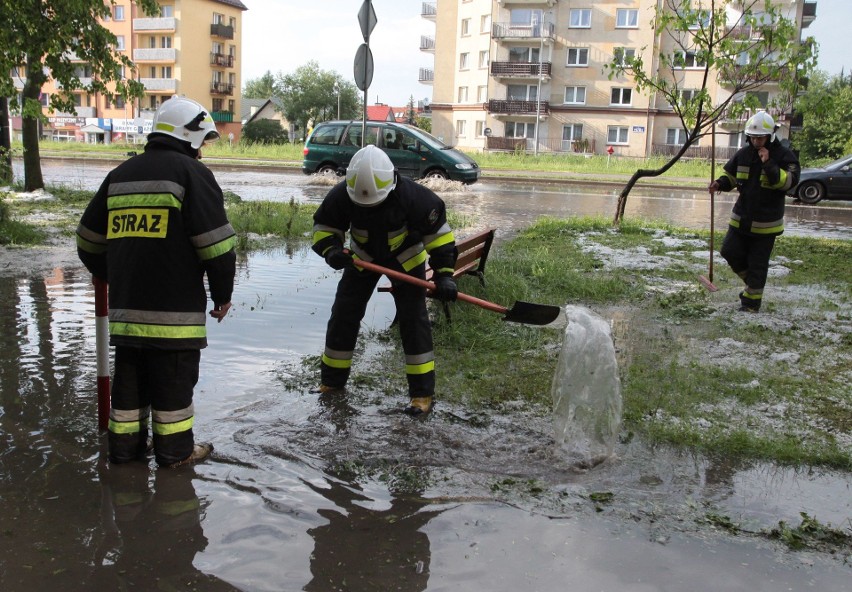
(441, 240)
(125, 427)
(167, 429)
(142, 200)
(395, 241)
(90, 247)
(752, 296)
(420, 368)
(414, 261)
(770, 230)
(161, 331)
(219, 248)
(334, 363)
(321, 234)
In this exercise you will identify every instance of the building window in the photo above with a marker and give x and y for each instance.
(480, 128)
(118, 13)
(616, 134)
(677, 136)
(461, 128)
(702, 20)
(521, 92)
(218, 19)
(465, 27)
(218, 104)
(483, 59)
(621, 96)
(580, 18)
(119, 102)
(119, 42)
(463, 61)
(481, 94)
(167, 10)
(519, 129)
(462, 94)
(623, 55)
(575, 95)
(626, 18)
(571, 133)
(165, 42)
(523, 54)
(485, 23)
(166, 72)
(687, 59)
(578, 56)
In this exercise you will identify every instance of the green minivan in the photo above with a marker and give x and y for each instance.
(414, 153)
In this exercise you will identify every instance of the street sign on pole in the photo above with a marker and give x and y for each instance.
(367, 19)
(363, 67)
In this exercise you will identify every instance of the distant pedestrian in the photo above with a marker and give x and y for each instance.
(154, 229)
(399, 224)
(762, 172)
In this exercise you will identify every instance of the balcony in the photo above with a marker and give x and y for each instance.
(429, 10)
(155, 54)
(584, 146)
(154, 24)
(520, 69)
(702, 152)
(427, 76)
(222, 116)
(427, 43)
(514, 107)
(78, 112)
(808, 14)
(514, 32)
(221, 59)
(220, 30)
(526, 2)
(159, 84)
(221, 88)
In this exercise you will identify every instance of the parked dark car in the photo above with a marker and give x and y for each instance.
(832, 181)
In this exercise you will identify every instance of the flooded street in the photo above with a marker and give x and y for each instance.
(303, 494)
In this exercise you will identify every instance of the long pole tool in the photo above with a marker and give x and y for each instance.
(708, 281)
(521, 312)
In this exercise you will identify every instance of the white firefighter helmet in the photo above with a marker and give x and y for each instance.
(369, 176)
(760, 124)
(185, 120)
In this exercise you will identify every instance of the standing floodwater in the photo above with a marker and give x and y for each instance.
(586, 390)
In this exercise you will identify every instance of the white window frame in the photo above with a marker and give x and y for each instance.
(119, 42)
(578, 53)
(573, 134)
(462, 95)
(621, 53)
(622, 91)
(580, 18)
(482, 93)
(167, 10)
(464, 61)
(572, 92)
(484, 58)
(118, 13)
(461, 128)
(622, 135)
(465, 27)
(627, 18)
(480, 128)
(681, 136)
(690, 61)
(485, 23)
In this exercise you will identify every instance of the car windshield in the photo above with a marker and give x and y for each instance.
(837, 164)
(428, 138)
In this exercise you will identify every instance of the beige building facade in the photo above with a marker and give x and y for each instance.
(192, 48)
(528, 75)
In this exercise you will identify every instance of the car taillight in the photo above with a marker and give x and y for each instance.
(305, 151)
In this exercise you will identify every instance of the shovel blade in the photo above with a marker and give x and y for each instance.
(532, 314)
(707, 283)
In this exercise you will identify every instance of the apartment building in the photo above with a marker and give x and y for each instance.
(529, 75)
(191, 48)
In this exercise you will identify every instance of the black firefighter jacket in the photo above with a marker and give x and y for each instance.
(154, 228)
(409, 226)
(759, 209)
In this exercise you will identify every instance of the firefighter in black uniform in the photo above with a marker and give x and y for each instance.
(153, 230)
(396, 223)
(762, 172)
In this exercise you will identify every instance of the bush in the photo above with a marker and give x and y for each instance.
(265, 131)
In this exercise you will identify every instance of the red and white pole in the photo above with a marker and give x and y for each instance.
(102, 349)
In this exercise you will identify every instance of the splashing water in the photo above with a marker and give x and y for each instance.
(586, 390)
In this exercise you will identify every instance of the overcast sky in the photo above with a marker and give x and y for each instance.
(281, 35)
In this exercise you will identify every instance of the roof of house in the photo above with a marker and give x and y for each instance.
(249, 107)
(380, 113)
(234, 3)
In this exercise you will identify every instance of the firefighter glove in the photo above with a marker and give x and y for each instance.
(445, 288)
(338, 258)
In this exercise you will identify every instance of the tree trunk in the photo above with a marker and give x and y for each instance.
(5, 143)
(30, 133)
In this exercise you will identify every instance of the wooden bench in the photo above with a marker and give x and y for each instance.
(472, 255)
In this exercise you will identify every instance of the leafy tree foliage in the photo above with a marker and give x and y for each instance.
(265, 131)
(260, 88)
(51, 39)
(827, 127)
(310, 95)
(745, 44)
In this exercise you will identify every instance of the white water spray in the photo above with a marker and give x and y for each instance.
(586, 389)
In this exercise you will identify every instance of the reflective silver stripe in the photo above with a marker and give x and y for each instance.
(359, 234)
(173, 416)
(127, 415)
(410, 252)
(329, 229)
(735, 216)
(772, 224)
(420, 358)
(394, 233)
(90, 236)
(428, 238)
(743, 169)
(156, 317)
(147, 187)
(212, 237)
(361, 253)
(336, 354)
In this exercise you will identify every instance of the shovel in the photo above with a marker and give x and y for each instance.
(521, 312)
(708, 280)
